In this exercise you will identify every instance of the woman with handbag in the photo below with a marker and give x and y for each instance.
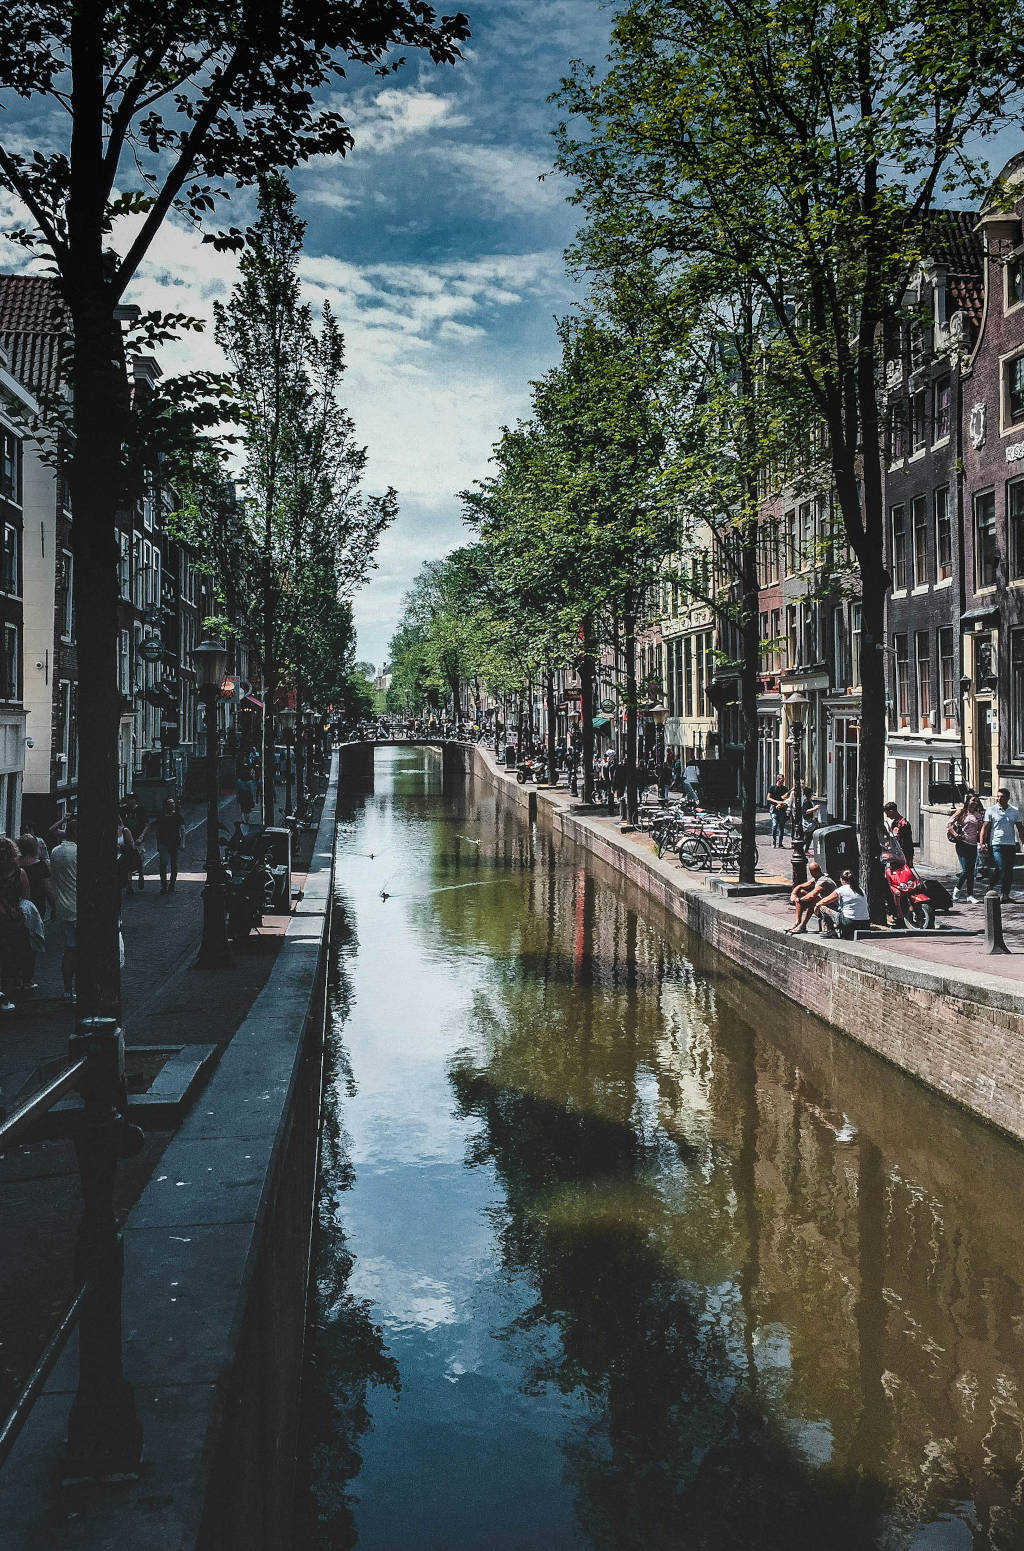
(964, 831)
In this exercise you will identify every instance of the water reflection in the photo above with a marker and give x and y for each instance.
(657, 1258)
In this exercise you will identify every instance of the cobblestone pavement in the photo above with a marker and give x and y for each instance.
(166, 1002)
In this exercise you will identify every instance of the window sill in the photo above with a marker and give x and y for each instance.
(983, 592)
(922, 587)
(944, 581)
(917, 454)
(941, 441)
(898, 592)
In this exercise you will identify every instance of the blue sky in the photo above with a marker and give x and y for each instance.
(441, 253)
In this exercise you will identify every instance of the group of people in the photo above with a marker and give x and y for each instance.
(992, 833)
(36, 881)
(134, 827)
(782, 806)
(839, 907)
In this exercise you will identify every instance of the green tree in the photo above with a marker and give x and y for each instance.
(139, 110)
(804, 147)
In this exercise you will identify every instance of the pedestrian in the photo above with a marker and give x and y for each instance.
(843, 910)
(964, 831)
(16, 956)
(64, 877)
(133, 815)
(691, 781)
(777, 797)
(36, 871)
(127, 856)
(901, 830)
(806, 895)
(619, 784)
(665, 778)
(245, 792)
(170, 833)
(1001, 830)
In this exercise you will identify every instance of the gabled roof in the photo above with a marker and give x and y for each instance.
(34, 326)
(954, 242)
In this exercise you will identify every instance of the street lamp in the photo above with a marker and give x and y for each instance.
(796, 704)
(287, 720)
(211, 659)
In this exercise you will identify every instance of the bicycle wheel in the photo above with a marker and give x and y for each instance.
(694, 853)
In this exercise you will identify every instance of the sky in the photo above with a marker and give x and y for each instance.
(440, 250)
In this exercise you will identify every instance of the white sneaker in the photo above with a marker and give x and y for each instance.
(958, 898)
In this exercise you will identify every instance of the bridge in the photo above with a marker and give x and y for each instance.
(355, 759)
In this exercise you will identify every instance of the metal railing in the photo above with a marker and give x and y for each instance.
(104, 1437)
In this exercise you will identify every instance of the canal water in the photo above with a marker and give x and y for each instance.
(616, 1248)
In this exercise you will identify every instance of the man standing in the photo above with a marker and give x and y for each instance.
(64, 880)
(901, 830)
(777, 797)
(1001, 830)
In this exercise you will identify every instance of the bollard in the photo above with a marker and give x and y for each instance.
(104, 1435)
(994, 923)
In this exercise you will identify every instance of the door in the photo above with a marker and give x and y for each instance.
(983, 748)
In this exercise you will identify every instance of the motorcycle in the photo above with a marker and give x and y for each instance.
(910, 903)
(529, 770)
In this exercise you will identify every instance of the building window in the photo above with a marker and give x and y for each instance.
(986, 555)
(807, 532)
(943, 534)
(897, 433)
(923, 656)
(1013, 390)
(688, 676)
(124, 564)
(855, 645)
(902, 680)
(8, 465)
(10, 580)
(10, 665)
(947, 678)
(942, 401)
(899, 548)
(1017, 694)
(792, 642)
(918, 421)
(124, 662)
(792, 544)
(67, 611)
(701, 670)
(919, 518)
(1015, 526)
(1014, 281)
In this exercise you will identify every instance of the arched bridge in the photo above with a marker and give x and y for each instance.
(355, 759)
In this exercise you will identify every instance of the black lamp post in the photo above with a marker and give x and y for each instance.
(797, 704)
(211, 660)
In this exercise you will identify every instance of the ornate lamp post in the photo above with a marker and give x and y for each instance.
(211, 660)
(796, 704)
(287, 720)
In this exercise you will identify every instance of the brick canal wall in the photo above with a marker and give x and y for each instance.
(961, 1033)
(217, 1259)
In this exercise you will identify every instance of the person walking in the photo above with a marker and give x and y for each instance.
(964, 831)
(64, 878)
(777, 797)
(133, 815)
(36, 871)
(1001, 830)
(170, 833)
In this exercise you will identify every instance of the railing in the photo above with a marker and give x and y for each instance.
(104, 1437)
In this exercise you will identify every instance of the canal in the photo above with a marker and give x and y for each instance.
(616, 1248)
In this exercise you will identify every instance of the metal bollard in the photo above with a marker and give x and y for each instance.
(994, 923)
(104, 1435)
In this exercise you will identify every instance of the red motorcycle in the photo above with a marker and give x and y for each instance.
(910, 904)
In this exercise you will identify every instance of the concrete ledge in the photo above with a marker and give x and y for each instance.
(960, 1031)
(216, 1266)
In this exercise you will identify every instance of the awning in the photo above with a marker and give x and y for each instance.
(251, 700)
(601, 721)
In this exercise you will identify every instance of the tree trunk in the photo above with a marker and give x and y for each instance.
(750, 632)
(95, 481)
(871, 766)
(549, 694)
(300, 753)
(100, 413)
(587, 716)
(629, 647)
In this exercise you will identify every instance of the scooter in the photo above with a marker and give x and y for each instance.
(910, 903)
(529, 770)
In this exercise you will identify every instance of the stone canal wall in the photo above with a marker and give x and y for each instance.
(960, 1032)
(217, 1259)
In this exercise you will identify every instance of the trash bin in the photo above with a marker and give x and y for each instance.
(510, 755)
(835, 849)
(278, 854)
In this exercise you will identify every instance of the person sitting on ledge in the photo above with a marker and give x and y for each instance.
(844, 910)
(805, 896)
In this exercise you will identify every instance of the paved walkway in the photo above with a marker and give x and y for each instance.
(166, 1002)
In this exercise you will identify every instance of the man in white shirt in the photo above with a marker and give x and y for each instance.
(64, 879)
(1003, 826)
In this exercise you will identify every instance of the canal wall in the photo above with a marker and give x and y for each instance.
(217, 1259)
(961, 1032)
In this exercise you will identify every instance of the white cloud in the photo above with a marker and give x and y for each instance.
(383, 121)
(510, 177)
